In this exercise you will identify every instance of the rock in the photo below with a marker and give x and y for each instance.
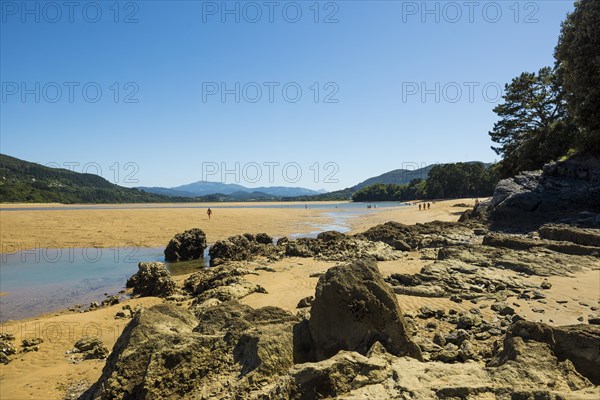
(594, 320)
(503, 308)
(4, 358)
(110, 301)
(7, 347)
(580, 344)
(467, 321)
(166, 352)
(32, 342)
(189, 245)
(467, 351)
(305, 302)
(152, 279)
(569, 233)
(91, 347)
(244, 247)
(426, 312)
(353, 309)
(522, 243)
(223, 283)
(546, 285)
(532, 199)
(457, 337)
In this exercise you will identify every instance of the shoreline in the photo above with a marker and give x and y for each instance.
(155, 226)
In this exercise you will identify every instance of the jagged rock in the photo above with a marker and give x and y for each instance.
(569, 233)
(152, 279)
(522, 243)
(503, 308)
(407, 237)
(354, 308)
(244, 247)
(562, 191)
(579, 344)
(31, 342)
(91, 347)
(166, 352)
(521, 363)
(527, 261)
(7, 348)
(223, 283)
(305, 302)
(335, 246)
(457, 337)
(4, 358)
(189, 245)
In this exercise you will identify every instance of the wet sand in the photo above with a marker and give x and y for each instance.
(154, 227)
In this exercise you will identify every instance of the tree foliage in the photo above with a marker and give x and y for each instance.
(444, 181)
(555, 112)
(578, 62)
(534, 126)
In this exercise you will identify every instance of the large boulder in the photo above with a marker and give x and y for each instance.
(580, 344)
(566, 190)
(152, 279)
(353, 309)
(243, 247)
(167, 352)
(189, 245)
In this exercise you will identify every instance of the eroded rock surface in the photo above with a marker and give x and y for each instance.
(152, 279)
(353, 309)
(188, 245)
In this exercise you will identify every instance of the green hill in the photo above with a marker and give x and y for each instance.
(27, 182)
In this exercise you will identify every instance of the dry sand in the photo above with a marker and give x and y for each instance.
(155, 225)
(46, 374)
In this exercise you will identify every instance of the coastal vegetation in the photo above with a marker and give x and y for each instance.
(455, 180)
(555, 112)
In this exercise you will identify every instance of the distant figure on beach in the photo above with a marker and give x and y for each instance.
(209, 212)
(419, 207)
(306, 206)
(428, 206)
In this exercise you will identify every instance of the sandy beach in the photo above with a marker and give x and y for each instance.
(48, 372)
(155, 225)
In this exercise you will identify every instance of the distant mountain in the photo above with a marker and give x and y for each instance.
(27, 182)
(397, 176)
(203, 188)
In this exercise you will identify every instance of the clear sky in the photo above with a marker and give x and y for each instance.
(192, 89)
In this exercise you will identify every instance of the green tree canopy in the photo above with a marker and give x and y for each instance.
(534, 126)
(578, 61)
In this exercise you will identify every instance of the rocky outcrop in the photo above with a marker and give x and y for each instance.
(353, 309)
(418, 236)
(379, 375)
(243, 247)
(568, 190)
(152, 279)
(580, 344)
(189, 245)
(166, 352)
(217, 284)
(523, 243)
(90, 347)
(335, 246)
(569, 233)
(527, 261)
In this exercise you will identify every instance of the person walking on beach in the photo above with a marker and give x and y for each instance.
(209, 212)
(428, 206)
(419, 207)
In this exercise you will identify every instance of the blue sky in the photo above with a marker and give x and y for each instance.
(400, 84)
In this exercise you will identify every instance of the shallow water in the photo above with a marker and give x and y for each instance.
(42, 280)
